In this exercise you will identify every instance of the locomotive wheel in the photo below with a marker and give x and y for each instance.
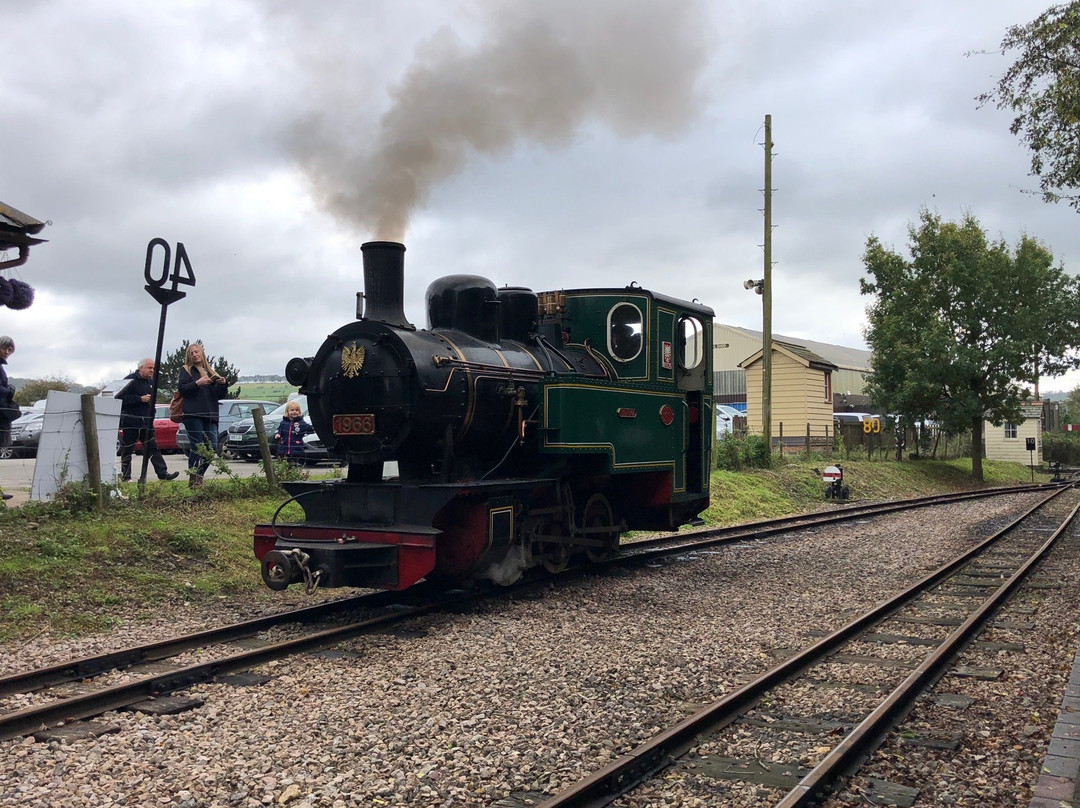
(553, 555)
(598, 513)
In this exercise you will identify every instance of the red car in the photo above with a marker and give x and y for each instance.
(164, 432)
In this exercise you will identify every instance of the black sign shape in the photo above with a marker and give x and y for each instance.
(156, 286)
(181, 272)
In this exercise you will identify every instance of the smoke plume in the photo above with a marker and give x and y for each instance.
(538, 73)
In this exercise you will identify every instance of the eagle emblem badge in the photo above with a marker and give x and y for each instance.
(352, 359)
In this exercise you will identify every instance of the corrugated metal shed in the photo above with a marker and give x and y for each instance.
(844, 358)
(732, 345)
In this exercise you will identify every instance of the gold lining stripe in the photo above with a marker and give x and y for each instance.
(470, 389)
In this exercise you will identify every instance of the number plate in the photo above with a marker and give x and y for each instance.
(354, 424)
(236, 438)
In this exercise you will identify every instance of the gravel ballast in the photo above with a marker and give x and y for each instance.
(532, 694)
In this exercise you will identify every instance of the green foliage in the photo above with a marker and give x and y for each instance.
(58, 548)
(734, 452)
(77, 569)
(960, 326)
(1061, 447)
(169, 372)
(37, 389)
(1042, 88)
(1070, 407)
(191, 541)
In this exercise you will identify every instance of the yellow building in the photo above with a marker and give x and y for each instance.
(1009, 441)
(802, 395)
(732, 344)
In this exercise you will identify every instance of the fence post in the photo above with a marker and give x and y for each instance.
(781, 439)
(808, 438)
(264, 445)
(93, 456)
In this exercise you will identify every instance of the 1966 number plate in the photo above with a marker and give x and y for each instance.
(354, 424)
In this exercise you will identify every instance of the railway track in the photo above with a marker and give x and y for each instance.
(793, 710)
(141, 674)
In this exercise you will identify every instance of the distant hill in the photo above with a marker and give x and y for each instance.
(268, 380)
(75, 388)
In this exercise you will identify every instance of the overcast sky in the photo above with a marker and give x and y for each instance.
(548, 144)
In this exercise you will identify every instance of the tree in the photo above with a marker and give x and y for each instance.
(961, 326)
(37, 389)
(1070, 408)
(1043, 89)
(169, 372)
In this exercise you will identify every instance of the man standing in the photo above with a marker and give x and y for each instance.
(8, 408)
(137, 422)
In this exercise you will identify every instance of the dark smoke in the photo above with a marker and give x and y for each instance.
(537, 74)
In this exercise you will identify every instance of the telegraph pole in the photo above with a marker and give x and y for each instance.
(766, 301)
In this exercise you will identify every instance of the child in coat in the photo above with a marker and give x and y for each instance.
(290, 434)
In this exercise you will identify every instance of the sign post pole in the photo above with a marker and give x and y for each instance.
(156, 286)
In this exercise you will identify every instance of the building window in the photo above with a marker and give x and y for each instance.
(828, 387)
(1010, 431)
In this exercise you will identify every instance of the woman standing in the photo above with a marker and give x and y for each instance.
(201, 389)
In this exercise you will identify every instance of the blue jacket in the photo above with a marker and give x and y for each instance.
(290, 437)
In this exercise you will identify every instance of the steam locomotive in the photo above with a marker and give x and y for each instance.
(526, 427)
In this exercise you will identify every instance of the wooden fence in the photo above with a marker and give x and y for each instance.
(875, 439)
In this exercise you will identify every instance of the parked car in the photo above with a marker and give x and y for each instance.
(230, 410)
(242, 440)
(725, 419)
(315, 451)
(164, 432)
(25, 435)
(850, 417)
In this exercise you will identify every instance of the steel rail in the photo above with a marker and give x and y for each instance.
(32, 719)
(73, 670)
(630, 770)
(636, 552)
(870, 731)
(767, 527)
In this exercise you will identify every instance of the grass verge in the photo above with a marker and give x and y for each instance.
(69, 569)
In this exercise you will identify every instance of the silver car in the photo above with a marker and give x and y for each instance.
(25, 435)
(230, 410)
(242, 440)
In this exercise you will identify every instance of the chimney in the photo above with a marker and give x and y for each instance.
(384, 283)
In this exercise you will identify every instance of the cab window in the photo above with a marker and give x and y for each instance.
(692, 342)
(625, 332)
